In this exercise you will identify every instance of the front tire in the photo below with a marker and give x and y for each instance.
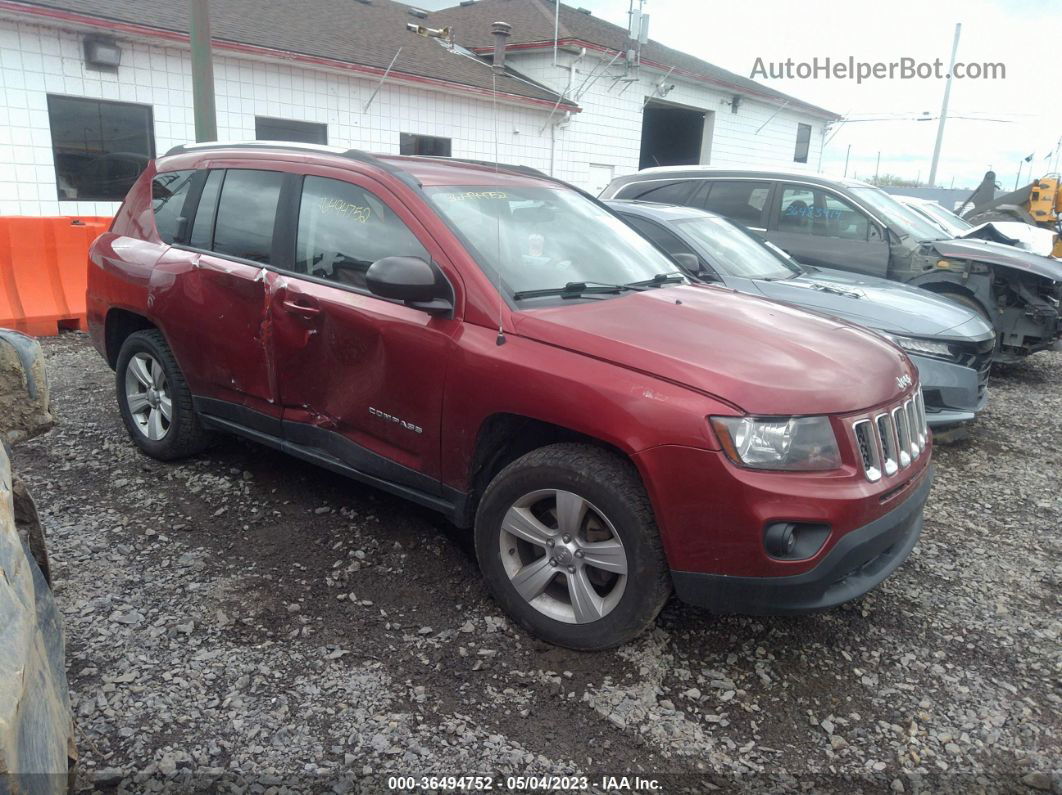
(568, 546)
(154, 400)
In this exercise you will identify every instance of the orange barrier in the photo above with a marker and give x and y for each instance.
(43, 272)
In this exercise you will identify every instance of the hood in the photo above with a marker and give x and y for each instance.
(762, 356)
(877, 303)
(997, 254)
(1015, 233)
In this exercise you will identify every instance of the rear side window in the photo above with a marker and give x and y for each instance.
(168, 192)
(675, 193)
(246, 213)
(343, 229)
(743, 202)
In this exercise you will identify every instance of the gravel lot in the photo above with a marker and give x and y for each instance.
(247, 620)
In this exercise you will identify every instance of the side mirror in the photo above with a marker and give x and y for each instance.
(410, 280)
(689, 262)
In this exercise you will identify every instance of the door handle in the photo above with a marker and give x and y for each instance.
(301, 307)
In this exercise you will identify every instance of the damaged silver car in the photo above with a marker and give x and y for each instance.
(848, 224)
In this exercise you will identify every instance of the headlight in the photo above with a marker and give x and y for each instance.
(803, 444)
(925, 347)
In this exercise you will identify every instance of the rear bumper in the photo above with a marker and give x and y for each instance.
(953, 393)
(857, 563)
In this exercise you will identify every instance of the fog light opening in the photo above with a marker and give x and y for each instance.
(794, 540)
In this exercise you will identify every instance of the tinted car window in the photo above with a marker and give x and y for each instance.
(815, 212)
(203, 228)
(168, 192)
(668, 241)
(343, 229)
(740, 201)
(675, 193)
(246, 212)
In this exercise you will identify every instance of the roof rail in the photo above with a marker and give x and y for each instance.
(525, 170)
(295, 146)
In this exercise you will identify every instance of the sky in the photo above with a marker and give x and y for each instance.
(1025, 114)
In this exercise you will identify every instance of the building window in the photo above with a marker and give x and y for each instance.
(803, 143)
(304, 132)
(99, 147)
(411, 144)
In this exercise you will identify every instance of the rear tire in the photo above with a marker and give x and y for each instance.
(568, 546)
(154, 399)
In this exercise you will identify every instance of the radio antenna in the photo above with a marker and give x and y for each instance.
(500, 340)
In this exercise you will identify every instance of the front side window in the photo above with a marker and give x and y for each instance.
(741, 201)
(815, 212)
(247, 211)
(168, 192)
(803, 143)
(343, 229)
(734, 251)
(539, 238)
(99, 148)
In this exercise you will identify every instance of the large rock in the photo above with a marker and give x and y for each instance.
(23, 387)
(36, 728)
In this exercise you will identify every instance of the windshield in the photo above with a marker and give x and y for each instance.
(733, 251)
(949, 220)
(538, 238)
(899, 218)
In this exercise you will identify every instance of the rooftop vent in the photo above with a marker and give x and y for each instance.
(468, 2)
(418, 13)
(584, 11)
(501, 31)
(365, 2)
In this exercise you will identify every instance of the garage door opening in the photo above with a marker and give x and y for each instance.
(672, 136)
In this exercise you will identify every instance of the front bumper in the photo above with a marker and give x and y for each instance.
(857, 563)
(952, 392)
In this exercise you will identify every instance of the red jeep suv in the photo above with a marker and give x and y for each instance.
(499, 346)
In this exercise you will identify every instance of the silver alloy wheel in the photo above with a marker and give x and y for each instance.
(563, 556)
(147, 396)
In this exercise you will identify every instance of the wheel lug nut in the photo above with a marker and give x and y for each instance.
(551, 542)
(552, 561)
(567, 538)
(579, 553)
(571, 569)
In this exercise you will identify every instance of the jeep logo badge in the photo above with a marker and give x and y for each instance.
(903, 381)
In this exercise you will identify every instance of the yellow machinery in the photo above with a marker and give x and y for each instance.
(1039, 203)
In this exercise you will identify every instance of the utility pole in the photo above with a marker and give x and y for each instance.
(846, 156)
(944, 109)
(203, 107)
(877, 167)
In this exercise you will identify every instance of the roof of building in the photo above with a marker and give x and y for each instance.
(336, 32)
(533, 23)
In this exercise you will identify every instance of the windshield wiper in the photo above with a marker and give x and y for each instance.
(671, 277)
(574, 290)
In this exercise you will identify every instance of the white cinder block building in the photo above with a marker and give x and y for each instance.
(92, 89)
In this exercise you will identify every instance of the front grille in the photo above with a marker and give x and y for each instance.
(892, 440)
(977, 356)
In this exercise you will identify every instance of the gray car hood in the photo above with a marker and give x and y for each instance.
(877, 303)
(997, 254)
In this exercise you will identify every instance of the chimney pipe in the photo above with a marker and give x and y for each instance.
(501, 33)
